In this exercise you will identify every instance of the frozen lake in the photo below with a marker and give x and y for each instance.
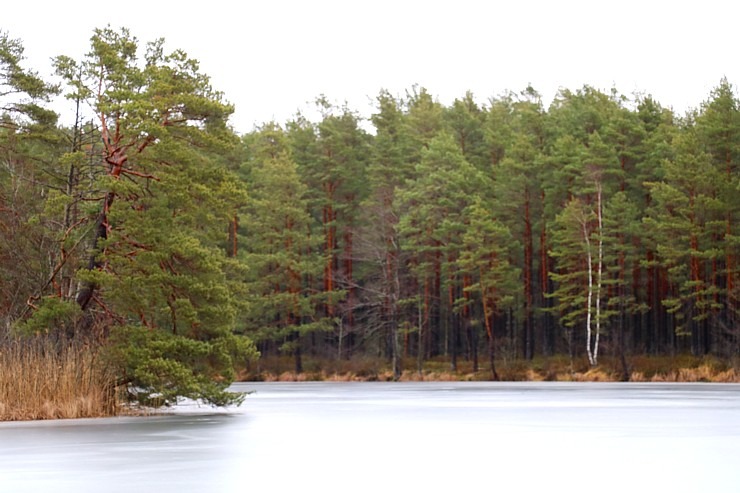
(398, 437)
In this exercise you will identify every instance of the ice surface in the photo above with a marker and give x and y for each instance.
(423, 437)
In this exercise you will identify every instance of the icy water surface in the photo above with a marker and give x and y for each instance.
(398, 437)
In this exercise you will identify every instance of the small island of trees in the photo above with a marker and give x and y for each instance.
(148, 252)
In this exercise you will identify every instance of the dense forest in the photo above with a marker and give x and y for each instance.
(602, 224)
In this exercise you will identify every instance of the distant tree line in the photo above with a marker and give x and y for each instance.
(600, 223)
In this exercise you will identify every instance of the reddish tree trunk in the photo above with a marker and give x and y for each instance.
(330, 235)
(487, 318)
(348, 274)
(528, 252)
(454, 329)
(233, 238)
(730, 260)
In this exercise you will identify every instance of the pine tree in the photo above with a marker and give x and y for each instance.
(484, 257)
(518, 193)
(686, 220)
(390, 166)
(332, 158)
(718, 126)
(464, 119)
(30, 191)
(424, 119)
(431, 225)
(621, 229)
(660, 127)
(279, 249)
(22, 92)
(158, 284)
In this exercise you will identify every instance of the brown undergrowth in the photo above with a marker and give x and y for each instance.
(39, 380)
(557, 368)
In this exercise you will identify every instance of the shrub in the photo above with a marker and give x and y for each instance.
(157, 367)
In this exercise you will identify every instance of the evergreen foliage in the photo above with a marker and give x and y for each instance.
(151, 229)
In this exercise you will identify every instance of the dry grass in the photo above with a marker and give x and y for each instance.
(680, 368)
(592, 375)
(39, 381)
(637, 376)
(702, 373)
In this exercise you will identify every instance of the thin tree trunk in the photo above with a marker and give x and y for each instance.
(87, 289)
(528, 299)
(547, 343)
(423, 320)
(730, 258)
(454, 328)
(341, 338)
(233, 236)
(395, 286)
(589, 297)
(298, 358)
(348, 274)
(329, 267)
(490, 335)
(599, 275)
(487, 319)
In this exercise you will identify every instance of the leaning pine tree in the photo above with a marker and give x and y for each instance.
(158, 288)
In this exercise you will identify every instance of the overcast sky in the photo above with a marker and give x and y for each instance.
(271, 57)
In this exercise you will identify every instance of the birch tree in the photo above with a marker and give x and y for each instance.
(573, 251)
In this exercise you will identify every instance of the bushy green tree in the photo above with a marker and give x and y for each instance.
(156, 248)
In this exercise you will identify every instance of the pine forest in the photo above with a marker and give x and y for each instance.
(151, 236)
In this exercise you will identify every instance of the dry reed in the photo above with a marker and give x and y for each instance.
(41, 381)
(681, 368)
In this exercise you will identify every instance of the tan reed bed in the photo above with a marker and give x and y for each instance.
(39, 380)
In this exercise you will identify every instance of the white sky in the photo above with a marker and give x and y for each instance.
(271, 57)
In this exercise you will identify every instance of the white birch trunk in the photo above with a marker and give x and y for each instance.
(584, 225)
(599, 273)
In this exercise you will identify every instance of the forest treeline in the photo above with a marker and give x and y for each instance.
(599, 223)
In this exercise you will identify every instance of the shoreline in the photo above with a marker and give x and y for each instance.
(681, 369)
(675, 369)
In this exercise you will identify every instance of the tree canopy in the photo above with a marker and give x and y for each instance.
(598, 224)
